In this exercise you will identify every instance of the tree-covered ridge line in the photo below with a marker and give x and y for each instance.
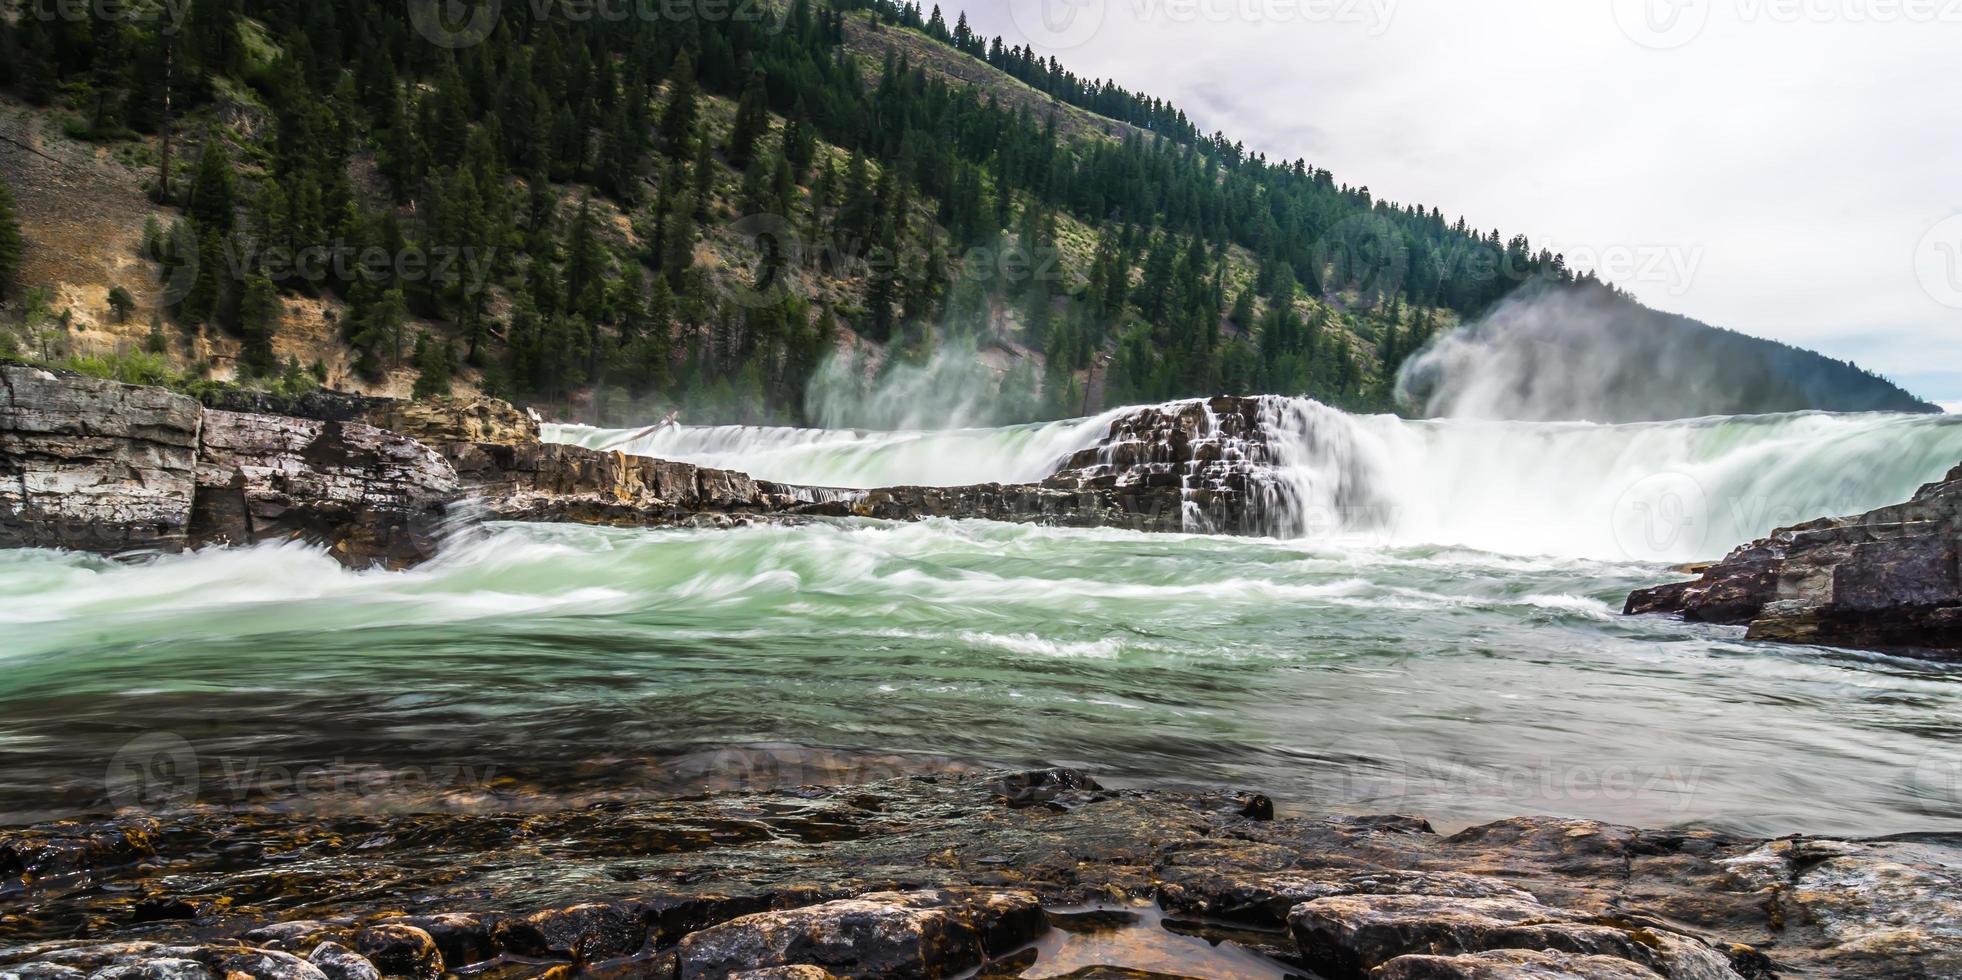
(700, 210)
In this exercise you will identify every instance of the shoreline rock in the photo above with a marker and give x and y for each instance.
(1886, 580)
(934, 875)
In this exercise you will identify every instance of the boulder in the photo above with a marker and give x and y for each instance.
(1886, 580)
(341, 963)
(1350, 936)
(400, 951)
(1512, 964)
(94, 465)
(884, 934)
(372, 497)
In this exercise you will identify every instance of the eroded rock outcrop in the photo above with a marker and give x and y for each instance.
(1199, 460)
(369, 495)
(1883, 580)
(564, 483)
(94, 465)
(438, 421)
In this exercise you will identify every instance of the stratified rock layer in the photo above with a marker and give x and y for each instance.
(94, 465)
(369, 495)
(1887, 579)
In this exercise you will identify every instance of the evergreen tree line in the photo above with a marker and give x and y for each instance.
(525, 153)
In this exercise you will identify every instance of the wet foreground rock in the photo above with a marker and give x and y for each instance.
(1885, 580)
(945, 875)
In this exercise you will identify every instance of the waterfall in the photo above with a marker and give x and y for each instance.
(1654, 491)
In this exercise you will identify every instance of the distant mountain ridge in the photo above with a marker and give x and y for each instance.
(1586, 351)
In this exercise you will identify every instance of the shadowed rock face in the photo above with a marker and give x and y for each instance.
(369, 495)
(933, 875)
(1884, 580)
(94, 465)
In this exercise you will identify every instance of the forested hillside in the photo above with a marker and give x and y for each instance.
(616, 215)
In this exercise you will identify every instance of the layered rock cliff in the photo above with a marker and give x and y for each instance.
(100, 466)
(1886, 579)
(94, 465)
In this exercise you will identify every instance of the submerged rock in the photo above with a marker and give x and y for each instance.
(1885, 580)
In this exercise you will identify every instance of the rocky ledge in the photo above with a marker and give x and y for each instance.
(1002, 874)
(1885, 580)
(113, 468)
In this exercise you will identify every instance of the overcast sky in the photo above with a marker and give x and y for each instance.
(1787, 168)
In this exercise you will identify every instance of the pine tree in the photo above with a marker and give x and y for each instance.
(260, 311)
(752, 121)
(432, 361)
(683, 108)
(120, 303)
(12, 247)
(214, 189)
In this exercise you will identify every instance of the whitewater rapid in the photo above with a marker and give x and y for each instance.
(1663, 491)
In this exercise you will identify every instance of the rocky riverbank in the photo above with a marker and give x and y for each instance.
(1010, 874)
(1884, 580)
(100, 466)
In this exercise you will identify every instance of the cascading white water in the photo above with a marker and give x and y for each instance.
(857, 459)
(1662, 491)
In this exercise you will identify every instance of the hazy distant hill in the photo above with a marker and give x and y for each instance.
(1585, 351)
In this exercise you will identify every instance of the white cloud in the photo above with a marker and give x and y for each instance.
(1801, 156)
